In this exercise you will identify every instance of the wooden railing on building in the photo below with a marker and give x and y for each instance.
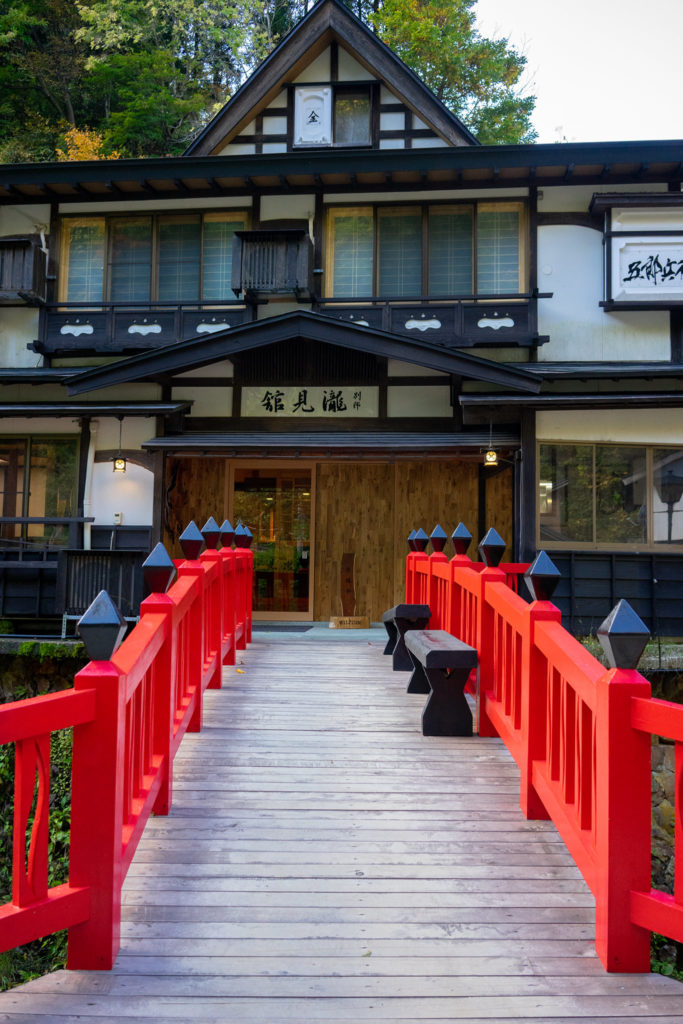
(130, 708)
(580, 734)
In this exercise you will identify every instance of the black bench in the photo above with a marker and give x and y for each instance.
(441, 666)
(396, 621)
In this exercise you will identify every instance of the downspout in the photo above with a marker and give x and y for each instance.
(87, 499)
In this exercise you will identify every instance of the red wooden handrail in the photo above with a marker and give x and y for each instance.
(580, 736)
(129, 716)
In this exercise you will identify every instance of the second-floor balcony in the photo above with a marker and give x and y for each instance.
(126, 327)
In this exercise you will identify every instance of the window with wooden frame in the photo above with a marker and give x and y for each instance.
(38, 477)
(165, 257)
(609, 496)
(438, 250)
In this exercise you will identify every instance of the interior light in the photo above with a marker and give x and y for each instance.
(491, 457)
(119, 460)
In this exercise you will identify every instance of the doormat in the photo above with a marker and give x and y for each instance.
(280, 627)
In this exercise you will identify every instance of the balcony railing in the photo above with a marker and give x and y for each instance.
(465, 322)
(22, 269)
(70, 328)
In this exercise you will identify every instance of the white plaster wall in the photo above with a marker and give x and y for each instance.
(223, 369)
(429, 143)
(280, 101)
(350, 70)
(419, 401)
(576, 199)
(18, 327)
(238, 149)
(287, 207)
(43, 427)
(570, 265)
(318, 70)
(24, 220)
(397, 368)
(275, 125)
(207, 401)
(134, 430)
(625, 426)
(130, 493)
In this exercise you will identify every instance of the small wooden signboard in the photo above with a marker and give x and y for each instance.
(348, 599)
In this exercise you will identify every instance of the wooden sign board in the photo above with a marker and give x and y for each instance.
(349, 622)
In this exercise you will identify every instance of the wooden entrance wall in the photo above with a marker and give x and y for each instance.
(367, 508)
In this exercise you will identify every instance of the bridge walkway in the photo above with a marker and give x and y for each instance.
(326, 863)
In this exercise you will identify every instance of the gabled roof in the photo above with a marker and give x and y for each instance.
(326, 21)
(196, 352)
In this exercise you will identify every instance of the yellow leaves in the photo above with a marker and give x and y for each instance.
(84, 144)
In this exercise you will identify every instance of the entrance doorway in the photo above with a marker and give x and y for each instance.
(276, 505)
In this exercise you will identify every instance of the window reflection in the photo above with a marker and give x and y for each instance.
(667, 506)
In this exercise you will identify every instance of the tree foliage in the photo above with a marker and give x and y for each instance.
(145, 75)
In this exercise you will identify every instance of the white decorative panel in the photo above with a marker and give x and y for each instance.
(313, 116)
(301, 402)
(647, 270)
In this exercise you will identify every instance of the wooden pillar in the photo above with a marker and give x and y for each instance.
(525, 486)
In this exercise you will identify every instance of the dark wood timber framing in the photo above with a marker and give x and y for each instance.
(313, 327)
(525, 518)
(342, 170)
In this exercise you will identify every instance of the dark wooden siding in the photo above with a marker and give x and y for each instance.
(593, 582)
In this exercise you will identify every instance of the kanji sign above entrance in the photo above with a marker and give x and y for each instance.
(330, 402)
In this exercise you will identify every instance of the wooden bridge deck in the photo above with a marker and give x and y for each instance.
(324, 862)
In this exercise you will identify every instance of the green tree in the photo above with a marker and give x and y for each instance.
(477, 78)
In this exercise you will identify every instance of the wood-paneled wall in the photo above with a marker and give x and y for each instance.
(363, 508)
(195, 489)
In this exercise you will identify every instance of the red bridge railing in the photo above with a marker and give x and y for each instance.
(580, 734)
(130, 708)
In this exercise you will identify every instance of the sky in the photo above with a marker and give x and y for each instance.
(601, 70)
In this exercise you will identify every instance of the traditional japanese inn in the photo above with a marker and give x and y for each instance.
(338, 318)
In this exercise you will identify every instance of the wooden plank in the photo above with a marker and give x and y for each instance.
(323, 862)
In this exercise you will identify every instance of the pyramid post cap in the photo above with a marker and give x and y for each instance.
(623, 636)
(542, 577)
(101, 627)
(461, 538)
(191, 540)
(491, 548)
(158, 570)
(210, 531)
(420, 540)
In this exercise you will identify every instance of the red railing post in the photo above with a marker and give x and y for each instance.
(96, 854)
(623, 824)
(163, 695)
(534, 705)
(229, 587)
(195, 656)
(485, 646)
(213, 612)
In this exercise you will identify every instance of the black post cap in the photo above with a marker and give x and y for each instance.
(623, 636)
(102, 627)
(438, 538)
(542, 577)
(491, 548)
(240, 535)
(420, 540)
(461, 538)
(227, 533)
(191, 540)
(411, 540)
(158, 570)
(211, 531)
(248, 537)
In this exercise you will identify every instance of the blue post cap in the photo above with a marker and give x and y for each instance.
(542, 577)
(623, 636)
(158, 570)
(491, 548)
(191, 540)
(420, 540)
(227, 533)
(438, 537)
(210, 531)
(102, 627)
(461, 538)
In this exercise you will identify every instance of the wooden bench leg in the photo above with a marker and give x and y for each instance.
(392, 634)
(418, 682)
(447, 712)
(401, 661)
